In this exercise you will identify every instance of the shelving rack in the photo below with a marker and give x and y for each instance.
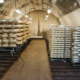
(68, 42)
(5, 35)
(59, 43)
(64, 43)
(13, 35)
(75, 55)
(27, 26)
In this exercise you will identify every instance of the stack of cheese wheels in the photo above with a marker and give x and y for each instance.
(13, 33)
(56, 42)
(59, 41)
(76, 46)
(68, 42)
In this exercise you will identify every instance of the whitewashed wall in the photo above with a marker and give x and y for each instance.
(43, 24)
(72, 18)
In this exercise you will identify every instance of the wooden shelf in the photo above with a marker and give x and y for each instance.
(13, 31)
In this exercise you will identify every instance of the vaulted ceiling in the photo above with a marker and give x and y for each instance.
(58, 7)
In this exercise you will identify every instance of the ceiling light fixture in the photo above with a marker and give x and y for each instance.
(54, 1)
(26, 16)
(17, 10)
(47, 16)
(25, 11)
(49, 11)
(1, 1)
(30, 18)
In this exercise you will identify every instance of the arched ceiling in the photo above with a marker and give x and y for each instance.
(58, 7)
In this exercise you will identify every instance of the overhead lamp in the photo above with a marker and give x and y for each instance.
(26, 16)
(1, 1)
(54, 1)
(18, 11)
(25, 11)
(47, 16)
(49, 11)
(30, 18)
(75, 4)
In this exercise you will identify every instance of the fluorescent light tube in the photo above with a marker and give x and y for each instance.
(54, 1)
(47, 16)
(30, 18)
(18, 11)
(49, 11)
(26, 16)
(1, 1)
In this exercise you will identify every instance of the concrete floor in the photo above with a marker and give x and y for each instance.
(32, 65)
